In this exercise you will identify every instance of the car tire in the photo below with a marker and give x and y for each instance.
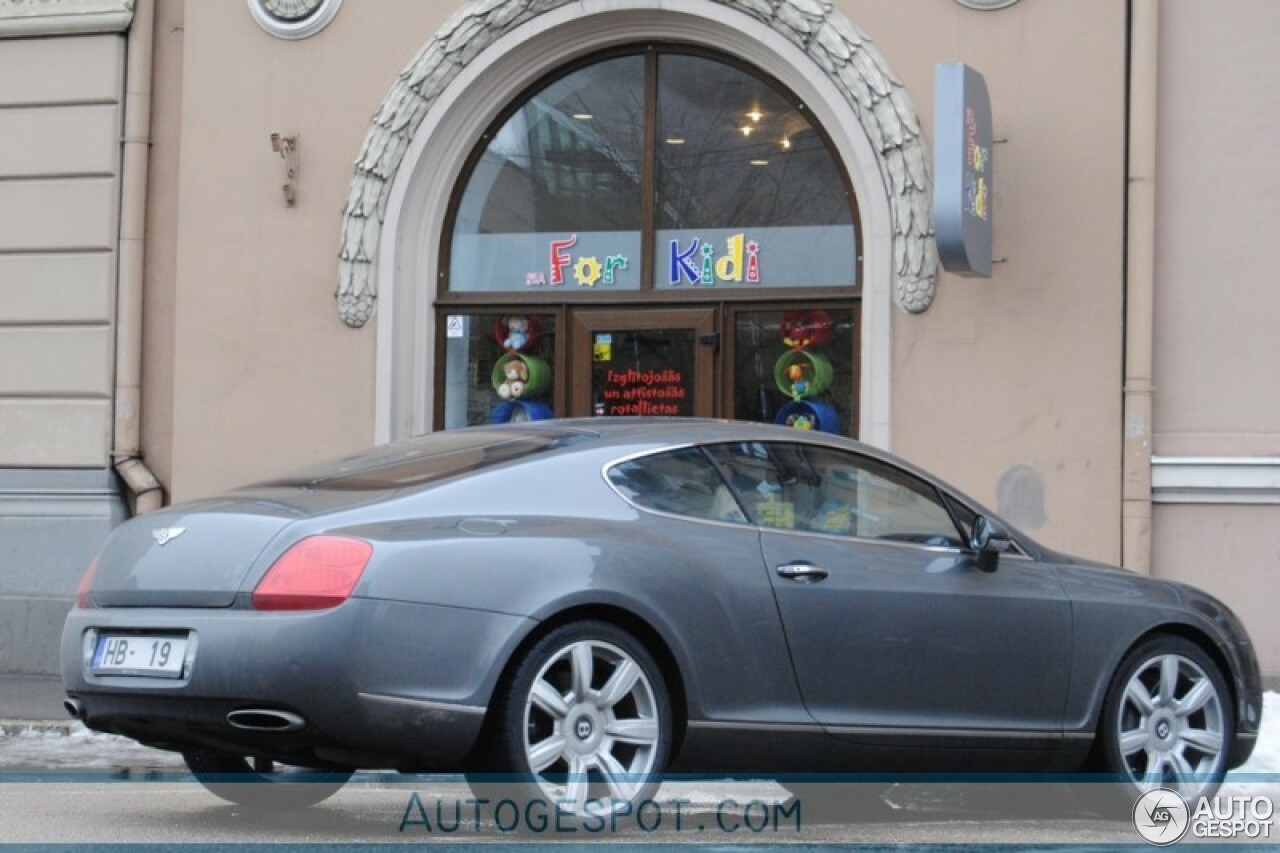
(262, 785)
(1167, 722)
(580, 732)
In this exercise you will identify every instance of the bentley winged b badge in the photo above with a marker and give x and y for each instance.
(165, 535)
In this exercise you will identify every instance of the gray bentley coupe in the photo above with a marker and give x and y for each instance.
(583, 606)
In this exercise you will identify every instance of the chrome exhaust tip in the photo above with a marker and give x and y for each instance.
(74, 707)
(265, 720)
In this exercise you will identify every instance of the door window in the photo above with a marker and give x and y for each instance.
(643, 372)
(643, 363)
(820, 490)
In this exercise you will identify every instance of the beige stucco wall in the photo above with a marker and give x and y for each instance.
(1217, 362)
(264, 376)
(1010, 387)
(1232, 552)
(1217, 353)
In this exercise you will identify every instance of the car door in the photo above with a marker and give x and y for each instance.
(891, 625)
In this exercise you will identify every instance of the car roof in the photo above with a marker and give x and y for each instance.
(670, 432)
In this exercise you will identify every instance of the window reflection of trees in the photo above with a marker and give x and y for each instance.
(571, 157)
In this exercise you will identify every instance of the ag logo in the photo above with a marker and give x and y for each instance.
(1161, 816)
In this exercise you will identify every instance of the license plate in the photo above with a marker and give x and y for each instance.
(153, 655)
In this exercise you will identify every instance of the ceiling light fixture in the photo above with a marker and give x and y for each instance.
(755, 115)
(759, 162)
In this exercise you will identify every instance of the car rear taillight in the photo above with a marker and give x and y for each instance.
(316, 573)
(82, 591)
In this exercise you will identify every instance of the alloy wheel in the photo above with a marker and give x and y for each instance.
(592, 725)
(1170, 728)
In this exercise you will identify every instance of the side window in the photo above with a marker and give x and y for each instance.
(682, 482)
(802, 487)
(757, 481)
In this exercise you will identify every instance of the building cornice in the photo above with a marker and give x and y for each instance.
(25, 18)
(1215, 479)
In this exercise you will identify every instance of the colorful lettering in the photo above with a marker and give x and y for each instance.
(611, 263)
(753, 262)
(587, 272)
(681, 268)
(708, 264)
(729, 268)
(560, 257)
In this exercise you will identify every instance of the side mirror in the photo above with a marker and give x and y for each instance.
(988, 540)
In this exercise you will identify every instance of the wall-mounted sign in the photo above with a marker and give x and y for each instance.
(963, 203)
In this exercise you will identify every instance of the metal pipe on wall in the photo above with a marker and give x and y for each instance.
(146, 492)
(1139, 321)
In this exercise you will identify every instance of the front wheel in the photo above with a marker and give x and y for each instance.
(1167, 721)
(262, 784)
(584, 724)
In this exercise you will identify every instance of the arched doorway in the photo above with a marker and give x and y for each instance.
(657, 229)
(420, 140)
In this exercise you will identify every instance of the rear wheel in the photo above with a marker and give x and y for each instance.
(584, 725)
(1167, 721)
(262, 784)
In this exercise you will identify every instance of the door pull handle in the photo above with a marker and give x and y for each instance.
(802, 572)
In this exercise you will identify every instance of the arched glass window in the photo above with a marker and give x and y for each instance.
(658, 170)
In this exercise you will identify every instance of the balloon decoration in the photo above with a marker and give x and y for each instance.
(803, 374)
(519, 377)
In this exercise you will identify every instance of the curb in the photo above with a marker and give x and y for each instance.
(19, 727)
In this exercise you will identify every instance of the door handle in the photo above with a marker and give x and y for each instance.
(802, 572)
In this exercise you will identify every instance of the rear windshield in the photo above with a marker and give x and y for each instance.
(434, 457)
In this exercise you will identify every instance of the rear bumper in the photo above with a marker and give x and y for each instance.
(375, 683)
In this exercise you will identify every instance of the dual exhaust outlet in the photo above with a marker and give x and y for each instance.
(245, 719)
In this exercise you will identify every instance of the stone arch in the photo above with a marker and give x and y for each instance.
(830, 40)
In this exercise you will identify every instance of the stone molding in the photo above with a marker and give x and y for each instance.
(1215, 479)
(29, 18)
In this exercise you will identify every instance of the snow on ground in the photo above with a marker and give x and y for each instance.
(75, 748)
(1266, 755)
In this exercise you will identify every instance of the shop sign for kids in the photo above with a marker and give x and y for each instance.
(689, 260)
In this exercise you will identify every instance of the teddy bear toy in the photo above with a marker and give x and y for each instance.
(516, 374)
(517, 333)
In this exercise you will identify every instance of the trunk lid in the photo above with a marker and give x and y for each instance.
(196, 555)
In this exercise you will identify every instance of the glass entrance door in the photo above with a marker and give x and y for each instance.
(651, 363)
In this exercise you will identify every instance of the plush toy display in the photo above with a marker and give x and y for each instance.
(803, 374)
(515, 375)
(518, 377)
(517, 333)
